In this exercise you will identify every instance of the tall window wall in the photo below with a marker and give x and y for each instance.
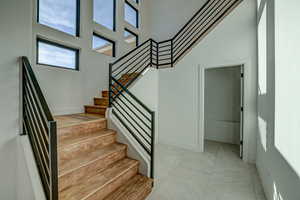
(63, 28)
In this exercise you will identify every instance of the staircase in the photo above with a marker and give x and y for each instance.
(78, 157)
(92, 165)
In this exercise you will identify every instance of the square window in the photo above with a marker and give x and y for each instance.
(104, 13)
(131, 38)
(56, 55)
(60, 15)
(131, 15)
(103, 45)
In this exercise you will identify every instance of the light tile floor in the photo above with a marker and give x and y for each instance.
(217, 174)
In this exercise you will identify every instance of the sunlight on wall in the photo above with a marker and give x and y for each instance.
(276, 193)
(262, 53)
(287, 81)
(262, 127)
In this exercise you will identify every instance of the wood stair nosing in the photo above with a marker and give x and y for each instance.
(101, 185)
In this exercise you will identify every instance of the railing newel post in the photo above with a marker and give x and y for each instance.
(110, 85)
(53, 160)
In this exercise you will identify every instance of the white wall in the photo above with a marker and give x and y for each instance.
(68, 91)
(168, 16)
(287, 109)
(15, 35)
(279, 179)
(222, 104)
(232, 42)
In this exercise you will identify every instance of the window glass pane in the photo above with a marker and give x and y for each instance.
(103, 45)
(104, 13)
(51, 54)
(131, 38)
(131, 15)
(61, 15)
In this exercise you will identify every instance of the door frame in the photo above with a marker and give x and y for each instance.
(201, 105)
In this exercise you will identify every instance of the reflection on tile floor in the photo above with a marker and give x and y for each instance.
(217, 174)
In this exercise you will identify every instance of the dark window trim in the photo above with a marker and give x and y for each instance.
(137, 11)
(77, 34)
(60, 46)
(114, 16)
(109, 40)
(136, 35)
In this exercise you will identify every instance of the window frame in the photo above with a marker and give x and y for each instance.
(137, 16)
(107, 39)
(60, 46)
(133, 33)
(78, 14)
(114, 17)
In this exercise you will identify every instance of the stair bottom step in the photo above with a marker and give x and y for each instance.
(137, 188)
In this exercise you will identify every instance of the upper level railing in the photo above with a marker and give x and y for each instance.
(39, 125)
(132, 113)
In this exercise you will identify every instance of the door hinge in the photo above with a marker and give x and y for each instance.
(242, 109)
(241, 142)
(242, 75)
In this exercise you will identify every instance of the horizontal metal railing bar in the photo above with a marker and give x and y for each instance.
(130, 52)
(115, 98)
(136, 61)
(134, 56)
(199, 20)
(162, 51)
(168, 45)
(196, 19)
(136, 69)
(131, 132)
(204, 29)
(166, 54)
(163, 64)
(202, 32)
(40, 161)
(203, 20)
(39, 113)
(41, 136)
(191, 19)
(36, 99)
(44, 177)
(114, 104)
(165, 41)
(41, 150)
(131, 95)
(165, 59)
(135, 114)
(143, 69)
(38, 89)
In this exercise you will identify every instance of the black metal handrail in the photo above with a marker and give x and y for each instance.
(39, 125)
(130, 111)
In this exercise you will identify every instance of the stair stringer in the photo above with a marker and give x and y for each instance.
(134, 149)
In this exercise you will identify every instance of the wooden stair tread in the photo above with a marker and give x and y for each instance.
(89, 157)
(134, 189)
(95, 106)
(83, 137)
(64, 121)
(90, 185)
